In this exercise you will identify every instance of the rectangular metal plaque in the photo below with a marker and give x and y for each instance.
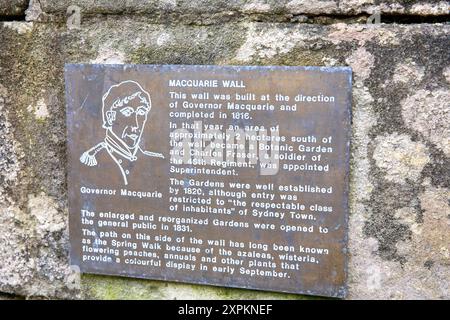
(219, 175)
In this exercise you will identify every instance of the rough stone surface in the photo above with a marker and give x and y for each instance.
(400, 182)
(399, 158)
(428, 112)
(95, 287)
(13, 7)
(10, 297)
(237, 7)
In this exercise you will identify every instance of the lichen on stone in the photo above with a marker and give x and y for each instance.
(400, 158)
(428, 112)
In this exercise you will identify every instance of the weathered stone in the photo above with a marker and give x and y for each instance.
(400, 158)
(34, 11)
(399, 176)
(104, 287)
(428, 112)
(223, 9)
(13, 7)
(33, 219)
(10, 297)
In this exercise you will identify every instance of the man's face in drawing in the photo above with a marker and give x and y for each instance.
(129, 121)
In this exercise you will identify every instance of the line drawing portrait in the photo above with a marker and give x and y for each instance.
(125, 109)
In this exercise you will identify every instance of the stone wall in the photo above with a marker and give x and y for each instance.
(399, 233)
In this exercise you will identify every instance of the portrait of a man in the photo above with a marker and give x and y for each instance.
(125, 110)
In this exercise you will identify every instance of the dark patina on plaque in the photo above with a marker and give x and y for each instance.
(218, 175)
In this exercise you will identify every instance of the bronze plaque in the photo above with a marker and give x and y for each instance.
(218, 175)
